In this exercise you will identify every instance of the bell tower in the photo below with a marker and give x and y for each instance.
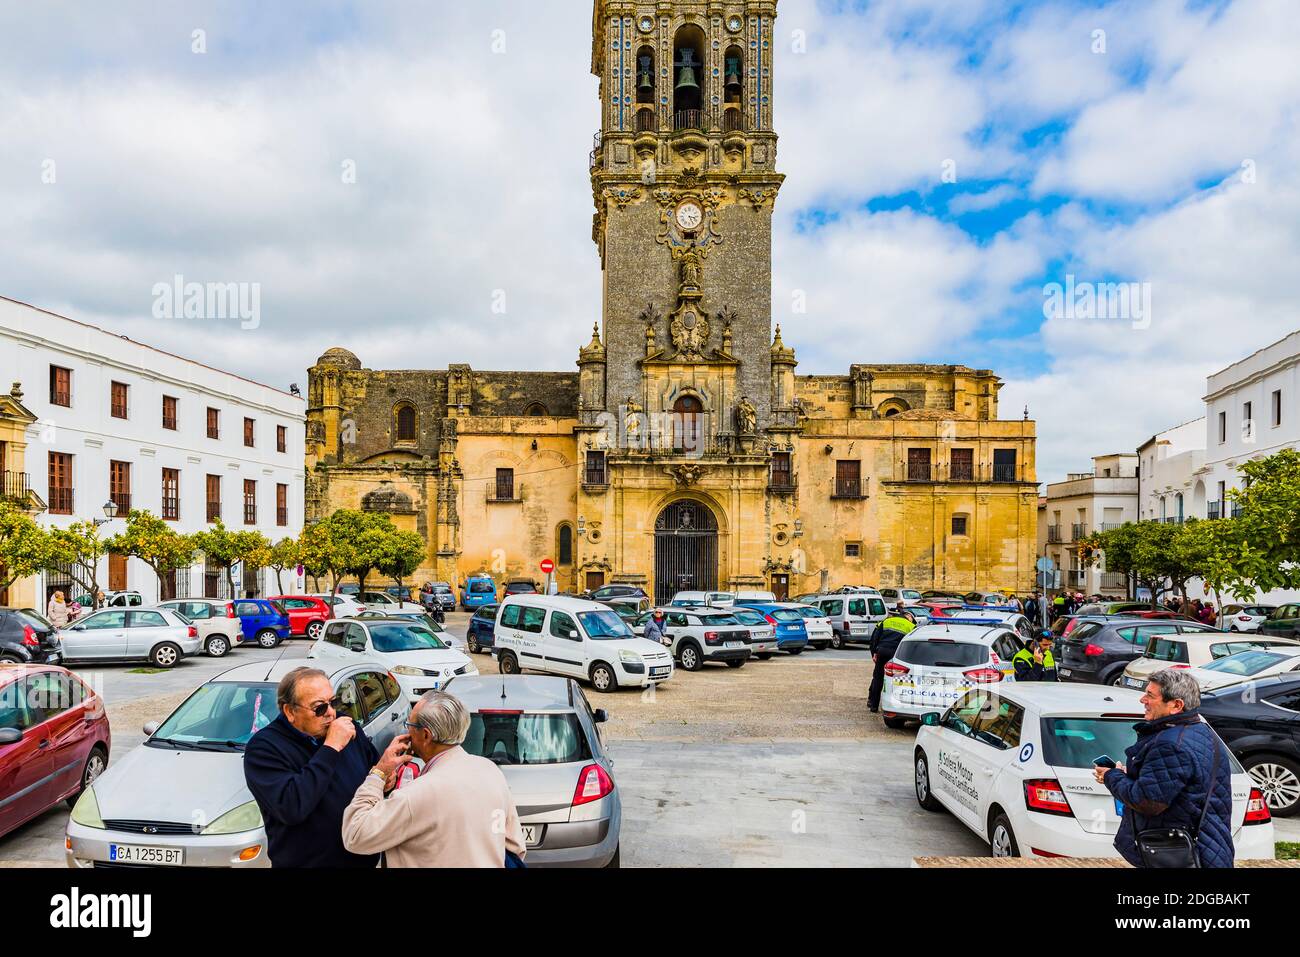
(684, 179)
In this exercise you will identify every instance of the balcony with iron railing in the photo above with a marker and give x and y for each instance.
(503, 492)
(15, 487)
(1109, 526)
(1078, 530)
(1213, 509)
(1004, 472)
(850, 488)
(782, 483)
(646, 121)
(1114, 581)
(1054, 534)
(919, 472)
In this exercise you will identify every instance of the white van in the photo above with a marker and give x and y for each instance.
(578, 638)
(718, 599)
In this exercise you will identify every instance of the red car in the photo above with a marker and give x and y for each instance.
(54, 740)
(307, 615)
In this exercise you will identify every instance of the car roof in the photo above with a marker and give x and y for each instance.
(559, 602)
(966, 631)
(260, 671)
(1051, 697)
(513, 692)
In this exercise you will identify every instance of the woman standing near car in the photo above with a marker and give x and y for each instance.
(57, 611)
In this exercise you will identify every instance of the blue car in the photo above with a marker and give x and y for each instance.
(481, 633)
(262, 621)
(791, 635)
(479, 590)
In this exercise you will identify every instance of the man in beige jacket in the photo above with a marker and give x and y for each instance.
(457, 813)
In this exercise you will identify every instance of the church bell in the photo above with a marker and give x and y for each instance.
(686, 71)
(645, 75)
(733, 80)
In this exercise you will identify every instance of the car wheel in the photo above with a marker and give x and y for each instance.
(315, 629)
(795, 651)
(508, 664)
(602, 678)
(738, 663)
(837, 642)
(924, 796)
(897, 724)
(690, 657)
(10, 660)
(1002, 840)
(267, 638)
(165, 655)
(472, 645)
(614, 861)
(763, 655)
(1279, 780)
(95, 765)
(217, 646)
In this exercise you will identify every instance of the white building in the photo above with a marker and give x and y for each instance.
(1167, 464)
(1088, 502)
(122, 421)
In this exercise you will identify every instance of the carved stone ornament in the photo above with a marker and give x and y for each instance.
(686, 475)
(689, 330)
(671, 233)
(759, 198)
(623, 196)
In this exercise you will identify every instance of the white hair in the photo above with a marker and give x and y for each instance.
(443, 716)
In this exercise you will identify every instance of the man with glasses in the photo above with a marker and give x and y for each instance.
(303, 769)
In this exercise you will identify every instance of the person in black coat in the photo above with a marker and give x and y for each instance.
(884, 643)
(303, 769)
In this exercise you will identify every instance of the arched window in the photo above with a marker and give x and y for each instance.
(406, 427)
(564, 544)
(645, 75)
(536, 408)
(688, 79)
(1178, 500)
(733, 88)
(688, 424)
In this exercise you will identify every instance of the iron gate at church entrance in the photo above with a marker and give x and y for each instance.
(686, 550)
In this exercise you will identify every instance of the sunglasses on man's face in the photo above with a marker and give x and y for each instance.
(320, 708)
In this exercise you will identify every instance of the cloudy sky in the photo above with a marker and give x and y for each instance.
(946, 162)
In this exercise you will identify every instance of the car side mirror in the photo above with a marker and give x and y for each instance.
(600, 715)
(150, 728)
(14, 736)
(931, 719)
(573, 634)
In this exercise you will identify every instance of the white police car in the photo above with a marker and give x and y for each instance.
(1014, 763)
(938, 663)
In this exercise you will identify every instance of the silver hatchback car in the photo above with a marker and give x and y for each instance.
(180, 799)
(157, 635)
(542, 733)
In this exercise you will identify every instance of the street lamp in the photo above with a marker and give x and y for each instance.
(110, 513)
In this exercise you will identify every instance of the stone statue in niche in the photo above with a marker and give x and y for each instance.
(746, 417)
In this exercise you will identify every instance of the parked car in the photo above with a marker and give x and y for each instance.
(1190, 649)
(262, 621)
(1100, 647)
(27, 638)
(718, 599)
(341, 606)
(938, 664)
(1014, 763)
(307, 614)
(945, 596)
(112, 599)
(1263, 731)
(896, 597)
(413, 653)
(157, 635)
(751, 596)
(479, 590)
(439, 594)
(480, 633)
(817, 627)
(54, 740)
(205, 816)
(852, 617)
(1246, 666)
(787, 621)
(519, 586)
(1115, 608)
(1282, 622)
(578, 639)
(219, 629)
(762, 633)
(806, 597)
(545, 737)
(698, 635)
(399, 594)
(606, 592)
(422, 618)
(351, 589)
(1243, 617)
(382, 601)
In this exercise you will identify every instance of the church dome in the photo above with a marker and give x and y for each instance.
(340, 357)
(387, 498)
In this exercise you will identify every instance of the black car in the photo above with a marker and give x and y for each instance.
(481, 633)
(27, 638)
(1262, 728)
(1099, 647)
(605, 592)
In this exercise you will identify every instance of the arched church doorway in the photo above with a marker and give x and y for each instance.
(686, 550)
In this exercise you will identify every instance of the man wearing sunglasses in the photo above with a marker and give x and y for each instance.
(303, 769)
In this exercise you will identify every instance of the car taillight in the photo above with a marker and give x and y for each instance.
(1046, 795)
(1257, 808)
(1177, 666)
(1243, 618)
(769, 619)
(29, 637)
(192, 631)
(1093, 650)
(893, 669)
(593, 784)
(230, 610)
(711, 637)
(983, 675)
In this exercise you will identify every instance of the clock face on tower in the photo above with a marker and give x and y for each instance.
(689, 216)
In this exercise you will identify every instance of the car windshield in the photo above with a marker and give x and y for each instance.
(604, 624)
(1247, 662)
(812, 612)
(942, 654)
(406, 637)
(512, 738)
(749, 618)
(1075, 742)
(219, 716)
(787, 614)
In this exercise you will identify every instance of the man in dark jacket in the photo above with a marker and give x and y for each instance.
(1035, 663)
(884, 642)
(1166, 777)
(303, 770)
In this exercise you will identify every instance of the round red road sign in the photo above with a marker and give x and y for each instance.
(547, 566)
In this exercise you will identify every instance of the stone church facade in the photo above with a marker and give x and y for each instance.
(685, 451)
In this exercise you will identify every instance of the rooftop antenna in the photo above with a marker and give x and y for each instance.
(274, 663)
